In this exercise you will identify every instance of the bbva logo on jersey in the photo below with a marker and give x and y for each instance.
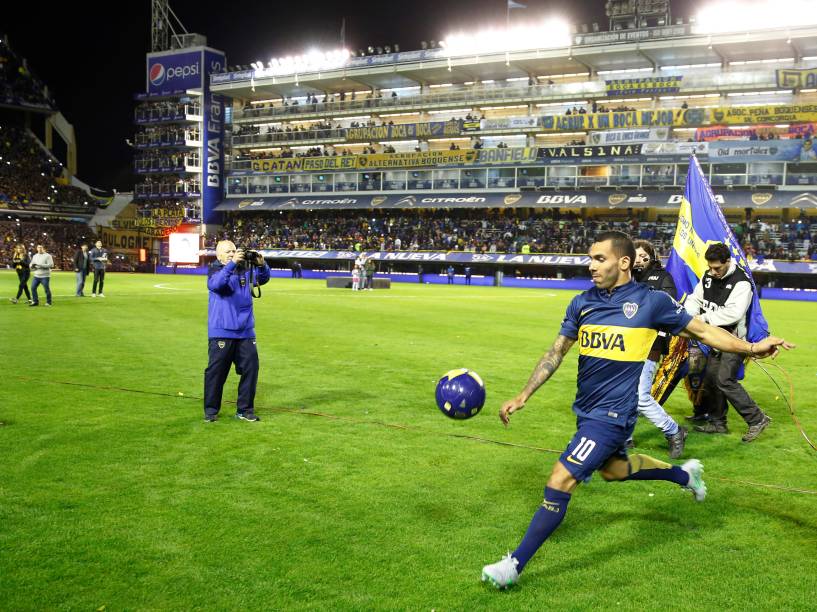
(602, 340)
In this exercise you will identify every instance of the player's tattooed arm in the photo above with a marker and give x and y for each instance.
(547, 365)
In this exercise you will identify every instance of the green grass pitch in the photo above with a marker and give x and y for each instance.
(354, 492)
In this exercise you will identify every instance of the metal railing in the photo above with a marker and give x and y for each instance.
(702, 81)
(670, 175)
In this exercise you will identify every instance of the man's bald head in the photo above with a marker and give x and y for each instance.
(225, 250)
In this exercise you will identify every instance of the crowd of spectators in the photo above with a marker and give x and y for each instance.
(794, 240)
(167, 135)
(312, 102)
(480, 231)
(312, 131)
(326, 102)
(28, 174)
(60, 239)
(485, 231)
(18, 86)
(167, 110)
(153, 160)
(166, 185)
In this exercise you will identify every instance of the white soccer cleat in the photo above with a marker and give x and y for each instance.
(501, 574)
(696, 484)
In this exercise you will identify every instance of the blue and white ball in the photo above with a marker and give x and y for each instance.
(460, 394)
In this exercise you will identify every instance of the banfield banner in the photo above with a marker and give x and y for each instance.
(174, 72)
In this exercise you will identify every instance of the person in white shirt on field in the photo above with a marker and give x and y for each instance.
(41, 264)
(355, 278)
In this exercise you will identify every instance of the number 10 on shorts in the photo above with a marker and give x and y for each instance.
(583, 449)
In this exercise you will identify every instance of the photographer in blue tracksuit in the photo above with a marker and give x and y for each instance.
(231, 328)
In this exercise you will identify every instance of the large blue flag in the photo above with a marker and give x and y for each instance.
(701, 223)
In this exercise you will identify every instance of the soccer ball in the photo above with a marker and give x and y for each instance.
(460, 394)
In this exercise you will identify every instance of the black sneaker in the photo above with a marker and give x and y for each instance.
(249, 416)
(697, 419)
(630, 444)
(210, 418)
(712, 427)
(33, 303)
(676, 443)
(756, 430)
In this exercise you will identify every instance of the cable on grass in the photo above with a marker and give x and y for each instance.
(789, 404)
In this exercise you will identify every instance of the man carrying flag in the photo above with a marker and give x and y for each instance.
(722, 297)
(716, 285)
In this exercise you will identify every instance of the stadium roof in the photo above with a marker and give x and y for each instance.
(584, 56)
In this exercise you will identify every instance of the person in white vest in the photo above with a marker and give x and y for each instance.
(41, 264)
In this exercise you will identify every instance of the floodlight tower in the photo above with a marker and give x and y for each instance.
(163, 25)
(634, 14)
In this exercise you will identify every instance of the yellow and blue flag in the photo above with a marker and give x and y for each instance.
(701, 223)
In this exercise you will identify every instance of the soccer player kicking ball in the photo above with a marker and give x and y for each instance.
(615, 324)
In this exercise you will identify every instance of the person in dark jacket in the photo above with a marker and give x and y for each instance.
(231, 329)
(21, 262)
(648, 270)
(82, 265)
(99, 259)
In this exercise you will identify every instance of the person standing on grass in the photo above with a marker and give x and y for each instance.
(82, 265)
(41, 265)
(450, 272)
(21, 261)
(615, 324)
(648, 270)
(355, 278)
(231, 329)
(467, 275)
(722, 297)
(99, 259)
(368, 270)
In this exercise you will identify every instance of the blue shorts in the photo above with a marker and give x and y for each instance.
(593, 444)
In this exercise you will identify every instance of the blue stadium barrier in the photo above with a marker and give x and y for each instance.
(574, 284)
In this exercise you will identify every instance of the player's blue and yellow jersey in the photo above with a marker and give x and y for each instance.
(614, 331)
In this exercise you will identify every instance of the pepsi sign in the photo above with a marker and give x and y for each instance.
(173, 73)
(156, 74)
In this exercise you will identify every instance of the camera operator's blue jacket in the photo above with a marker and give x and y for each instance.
(229, 313)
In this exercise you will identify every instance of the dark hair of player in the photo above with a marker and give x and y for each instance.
(717, 252)
(621, 243)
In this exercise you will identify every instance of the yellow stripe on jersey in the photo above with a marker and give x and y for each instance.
(615, 342)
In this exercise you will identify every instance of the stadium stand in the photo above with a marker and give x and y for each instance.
(486, 231)
(18, 85)
(29, 175)
(507, 151)
(61, 238)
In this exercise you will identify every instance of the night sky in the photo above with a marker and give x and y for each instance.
(94, 60)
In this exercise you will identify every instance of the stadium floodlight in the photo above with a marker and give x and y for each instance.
(733, 16)
(311, 61)
(549, 34)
